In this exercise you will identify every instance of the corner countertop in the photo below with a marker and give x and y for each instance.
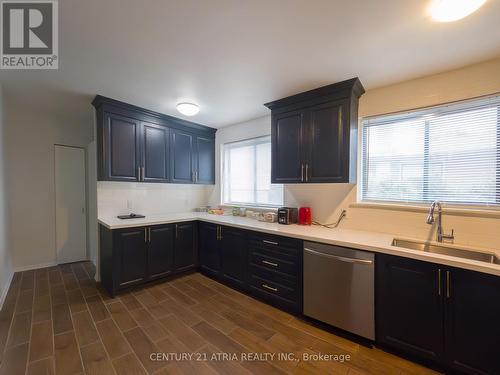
(362, 240)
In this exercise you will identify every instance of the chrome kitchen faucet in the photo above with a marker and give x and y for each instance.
(430, 220)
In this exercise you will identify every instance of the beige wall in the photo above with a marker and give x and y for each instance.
(468, 82)
(33, 126)
(6, 269)
(327, 200)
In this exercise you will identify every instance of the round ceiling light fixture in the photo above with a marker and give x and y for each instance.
(453, 10)
(188, 109)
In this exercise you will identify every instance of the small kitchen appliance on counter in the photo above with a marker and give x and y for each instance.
(287, 215)
(131, 216)
(305, 216)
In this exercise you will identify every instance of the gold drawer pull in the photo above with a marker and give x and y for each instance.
(269, 287)
(270, 242)
(270, 263)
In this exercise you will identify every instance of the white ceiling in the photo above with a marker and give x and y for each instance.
(231, 56)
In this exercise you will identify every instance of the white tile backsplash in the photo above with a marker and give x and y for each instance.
(120, 198)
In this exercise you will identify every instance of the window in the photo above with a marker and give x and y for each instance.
(449, 153)
(246, 174)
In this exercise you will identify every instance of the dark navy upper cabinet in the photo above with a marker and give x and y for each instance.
(121, 148)
(135, 144)
(204, 160)
(314, 135)
(328, 159)
(287, 147)
(155, 153)
(182, 157)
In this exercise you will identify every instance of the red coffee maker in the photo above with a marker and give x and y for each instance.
(305, 216)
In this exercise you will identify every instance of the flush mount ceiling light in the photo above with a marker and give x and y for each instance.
(453, 10)
(188, 109)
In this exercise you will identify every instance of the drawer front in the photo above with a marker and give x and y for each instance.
(276, 246)
(272, 262)
(272, 275)
(273, 290)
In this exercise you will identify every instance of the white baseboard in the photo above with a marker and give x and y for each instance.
(35, 266)
(6, 289)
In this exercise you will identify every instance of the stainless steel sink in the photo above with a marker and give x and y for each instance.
(447, 250)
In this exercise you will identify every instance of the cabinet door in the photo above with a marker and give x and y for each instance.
(121, 148)
(233, 255)
(209, 248)
(328, 143)
(409, 311)
(161, 250)
(205, 160)
(287, 139)
(472, 322)
(181, 157)
(185, 254)
(155, 148)
(132, 256)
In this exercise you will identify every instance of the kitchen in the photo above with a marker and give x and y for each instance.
(237, 215)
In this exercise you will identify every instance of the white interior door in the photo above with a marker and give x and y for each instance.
(71, 221)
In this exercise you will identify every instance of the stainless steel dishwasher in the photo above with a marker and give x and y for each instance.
(339, 287)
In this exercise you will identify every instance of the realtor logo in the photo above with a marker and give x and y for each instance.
(29, 35)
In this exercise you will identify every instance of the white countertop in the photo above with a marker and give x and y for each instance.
(362, 240)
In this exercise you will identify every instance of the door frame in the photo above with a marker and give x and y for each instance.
(86, 173)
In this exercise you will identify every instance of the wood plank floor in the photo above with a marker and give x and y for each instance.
(58, 320)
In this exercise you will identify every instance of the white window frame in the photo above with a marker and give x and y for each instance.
(458, 207)
(222, 184)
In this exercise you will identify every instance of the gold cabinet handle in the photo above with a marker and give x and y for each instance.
(270, 263)
(145, 235)
(269, 288)
(302, 172)
(176, 231)
(448, 282)
(270, 242)
(220, 232)
(439, 281)
(307, 172)
(149, 235)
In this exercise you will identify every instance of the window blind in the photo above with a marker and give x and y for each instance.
(246, 174)
(449, 153)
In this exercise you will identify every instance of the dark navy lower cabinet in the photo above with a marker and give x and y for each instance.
(186, 246)
(223, 253)
(233, 258)
(209, 249)
(472, 323)
(441, 316)
(161, 247)
(133, 256)
(275, 270)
